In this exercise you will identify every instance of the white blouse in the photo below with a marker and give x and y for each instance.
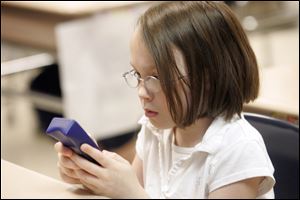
(229, 152)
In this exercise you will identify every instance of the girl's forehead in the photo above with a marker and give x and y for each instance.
(141, 59)
(145, 68)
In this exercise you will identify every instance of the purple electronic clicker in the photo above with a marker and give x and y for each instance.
(70, 133)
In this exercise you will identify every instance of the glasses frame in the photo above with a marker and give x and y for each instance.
(145, 80)
(139, 80)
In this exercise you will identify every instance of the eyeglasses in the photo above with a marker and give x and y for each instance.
(133, 80)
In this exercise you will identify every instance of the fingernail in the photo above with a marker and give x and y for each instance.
(84, 147)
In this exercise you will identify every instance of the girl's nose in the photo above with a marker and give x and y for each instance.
(143, 92)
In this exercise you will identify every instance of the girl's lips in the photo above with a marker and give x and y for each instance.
(150, 113)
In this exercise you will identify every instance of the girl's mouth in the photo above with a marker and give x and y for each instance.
(150, 113)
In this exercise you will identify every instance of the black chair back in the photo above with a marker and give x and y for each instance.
(282, 142)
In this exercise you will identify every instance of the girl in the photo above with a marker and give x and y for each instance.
(193, 68)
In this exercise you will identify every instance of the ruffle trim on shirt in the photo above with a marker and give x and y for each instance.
(146, 122)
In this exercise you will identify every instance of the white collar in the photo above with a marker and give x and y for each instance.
(212, 138)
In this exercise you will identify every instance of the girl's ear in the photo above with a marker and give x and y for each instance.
(180, 61)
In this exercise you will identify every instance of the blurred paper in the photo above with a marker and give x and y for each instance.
(93, 54)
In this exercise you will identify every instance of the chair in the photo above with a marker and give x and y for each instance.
(282, 142)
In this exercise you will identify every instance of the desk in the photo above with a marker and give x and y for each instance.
(279, 91)
(19, 182)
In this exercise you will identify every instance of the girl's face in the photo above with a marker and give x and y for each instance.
(153, 103)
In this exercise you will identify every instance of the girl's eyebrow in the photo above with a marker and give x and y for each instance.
(132, 66)
(153, 69)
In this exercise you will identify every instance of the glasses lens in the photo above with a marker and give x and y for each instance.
(131, 80)
(153, 84)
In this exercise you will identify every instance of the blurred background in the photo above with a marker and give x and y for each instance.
(67, 59)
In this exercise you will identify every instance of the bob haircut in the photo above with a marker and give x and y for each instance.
(221, 66)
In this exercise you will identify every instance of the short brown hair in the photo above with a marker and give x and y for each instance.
(221, 66)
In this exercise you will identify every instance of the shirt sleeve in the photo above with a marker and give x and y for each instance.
(246, 159)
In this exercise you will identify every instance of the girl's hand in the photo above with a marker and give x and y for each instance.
(67, 168)
(115, 178)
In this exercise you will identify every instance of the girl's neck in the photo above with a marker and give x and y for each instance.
(192, 135)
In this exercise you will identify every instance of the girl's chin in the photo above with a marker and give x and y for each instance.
(161, 125)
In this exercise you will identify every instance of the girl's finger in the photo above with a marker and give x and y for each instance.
(88, 166)
(90, 187)
(60, 148)
(100, 157)
(115, 156)
(69, 179)
(69, 172)
(67, 162)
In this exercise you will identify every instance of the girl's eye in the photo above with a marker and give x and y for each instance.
(136, 74)
(155, 76)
